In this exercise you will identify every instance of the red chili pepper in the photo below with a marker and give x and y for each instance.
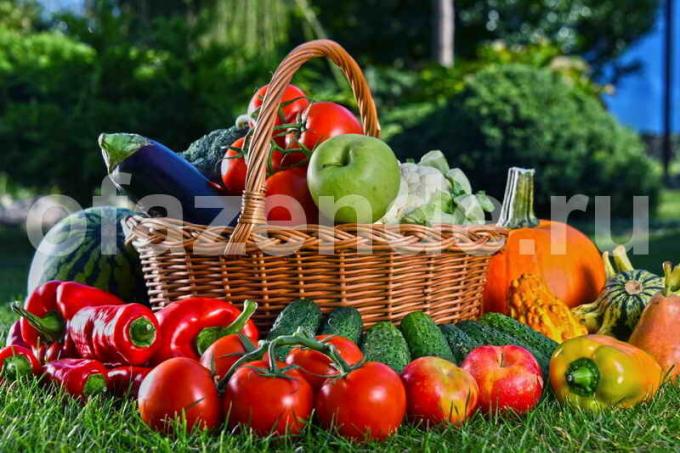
(125, 380)
(53, 304)
(115, 333)
(14, 337)
(188, 327)
(80, 378)
(72, 296)
(16, 362)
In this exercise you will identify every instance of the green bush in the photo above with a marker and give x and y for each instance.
(517, 115)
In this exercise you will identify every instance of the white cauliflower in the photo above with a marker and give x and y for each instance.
(419, 186)
(430, 192)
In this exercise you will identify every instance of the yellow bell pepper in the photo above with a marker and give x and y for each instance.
(595, 371)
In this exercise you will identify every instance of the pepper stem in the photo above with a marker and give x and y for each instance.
(51, 326)
(142, 332)
(209, 335)
(94, 384)
(16, 367)
(517, 210)
(583, 377)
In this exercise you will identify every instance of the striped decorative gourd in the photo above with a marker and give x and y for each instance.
(620, 304)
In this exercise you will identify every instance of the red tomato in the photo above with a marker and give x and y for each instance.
(293, 158)
(509, 377)
(222, 354)
(438, 391)
(179, 387)
(323, 120)
(314, 364)
(293, 102)
(268, 404)
(370, 402)
(288, 199)
(234, 168)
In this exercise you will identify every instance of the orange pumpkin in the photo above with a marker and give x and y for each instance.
(572, 267)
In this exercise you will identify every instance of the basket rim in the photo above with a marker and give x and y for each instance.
(170, 233)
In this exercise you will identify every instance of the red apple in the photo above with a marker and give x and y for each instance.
(508, 377)
(438, 391)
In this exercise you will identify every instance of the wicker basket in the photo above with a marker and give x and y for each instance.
(385, 271)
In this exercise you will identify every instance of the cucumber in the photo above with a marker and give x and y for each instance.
(487, 335)
(301, 314)
(423, 337)
(521, 331)
(460, 343)
(345, 322)
(384, 343)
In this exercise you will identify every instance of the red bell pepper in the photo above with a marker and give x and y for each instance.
(80, 378)
(115, 333)
(16, 362)
(125, 380)
(188, 327)
(14, 337)
(47, 352)
(51, 305)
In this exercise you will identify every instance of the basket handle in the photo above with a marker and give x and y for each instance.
(253, 207)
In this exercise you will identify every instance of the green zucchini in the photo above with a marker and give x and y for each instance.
(487, 335)
(525, 334)
(460, 343)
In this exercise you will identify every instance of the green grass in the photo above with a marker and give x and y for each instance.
(35, 419)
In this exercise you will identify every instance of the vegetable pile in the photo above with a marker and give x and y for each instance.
(199, 363)
(554, 324)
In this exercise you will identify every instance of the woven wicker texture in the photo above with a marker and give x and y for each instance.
(384, 271)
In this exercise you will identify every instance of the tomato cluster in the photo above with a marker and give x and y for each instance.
(361, 401)
(300, 126)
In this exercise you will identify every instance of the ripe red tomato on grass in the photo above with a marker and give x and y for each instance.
(268, 404)
(179, 387)
(314, 365)
(439, 392)
(288, 199)
(367, 403)
(508, 377)
(234, 168)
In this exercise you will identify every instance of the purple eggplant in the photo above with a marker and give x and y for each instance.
(143, 168)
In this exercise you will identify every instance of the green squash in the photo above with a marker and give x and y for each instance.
(622, 300)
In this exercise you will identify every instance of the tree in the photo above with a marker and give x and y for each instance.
(600, 30)
(444, 32)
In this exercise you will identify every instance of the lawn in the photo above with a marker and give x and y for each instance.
(37, 420)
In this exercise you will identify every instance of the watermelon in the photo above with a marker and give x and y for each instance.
(89, 247)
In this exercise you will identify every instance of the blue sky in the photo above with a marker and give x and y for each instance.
(638, 98)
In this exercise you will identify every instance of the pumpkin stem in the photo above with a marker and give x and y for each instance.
(621, 261)
(608, 267)
(518, 202)
(671, 278)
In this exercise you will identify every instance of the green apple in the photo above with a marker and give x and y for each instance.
(353, 178)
